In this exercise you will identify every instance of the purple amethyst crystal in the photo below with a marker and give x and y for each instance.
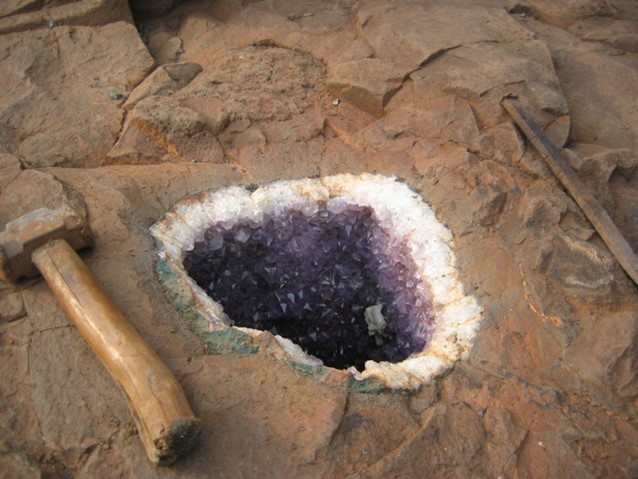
(311, 278)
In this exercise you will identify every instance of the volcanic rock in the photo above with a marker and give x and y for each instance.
(51, 97)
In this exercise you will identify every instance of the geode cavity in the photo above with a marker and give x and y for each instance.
(310, 277)
(354, 270)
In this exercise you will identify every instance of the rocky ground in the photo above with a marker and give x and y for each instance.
(198, 95)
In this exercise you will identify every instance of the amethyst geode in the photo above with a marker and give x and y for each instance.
(311, 278)
(353, 272)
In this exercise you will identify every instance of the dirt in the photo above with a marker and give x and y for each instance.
(279, 89)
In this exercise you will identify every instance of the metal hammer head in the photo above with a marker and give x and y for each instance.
(22, 236)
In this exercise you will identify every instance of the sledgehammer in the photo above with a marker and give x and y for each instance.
(47, 239)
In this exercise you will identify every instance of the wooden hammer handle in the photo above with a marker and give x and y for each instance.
(164, 418)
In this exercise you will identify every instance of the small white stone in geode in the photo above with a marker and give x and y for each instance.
(376, 322)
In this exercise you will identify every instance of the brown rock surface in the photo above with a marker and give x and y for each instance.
(412, 35)
(21, 15)
(549, 388)
(61, 80)
(625, 9)
(164, 81)
(603, 118)
(564, 13)
(367, 83)
(26, 190)
(622, 34)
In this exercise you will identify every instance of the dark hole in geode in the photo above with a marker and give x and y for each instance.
(311, 278)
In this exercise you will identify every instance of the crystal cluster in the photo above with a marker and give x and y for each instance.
(310, 275)
(352, 270)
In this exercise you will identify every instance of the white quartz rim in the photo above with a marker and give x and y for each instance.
(397, 208)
